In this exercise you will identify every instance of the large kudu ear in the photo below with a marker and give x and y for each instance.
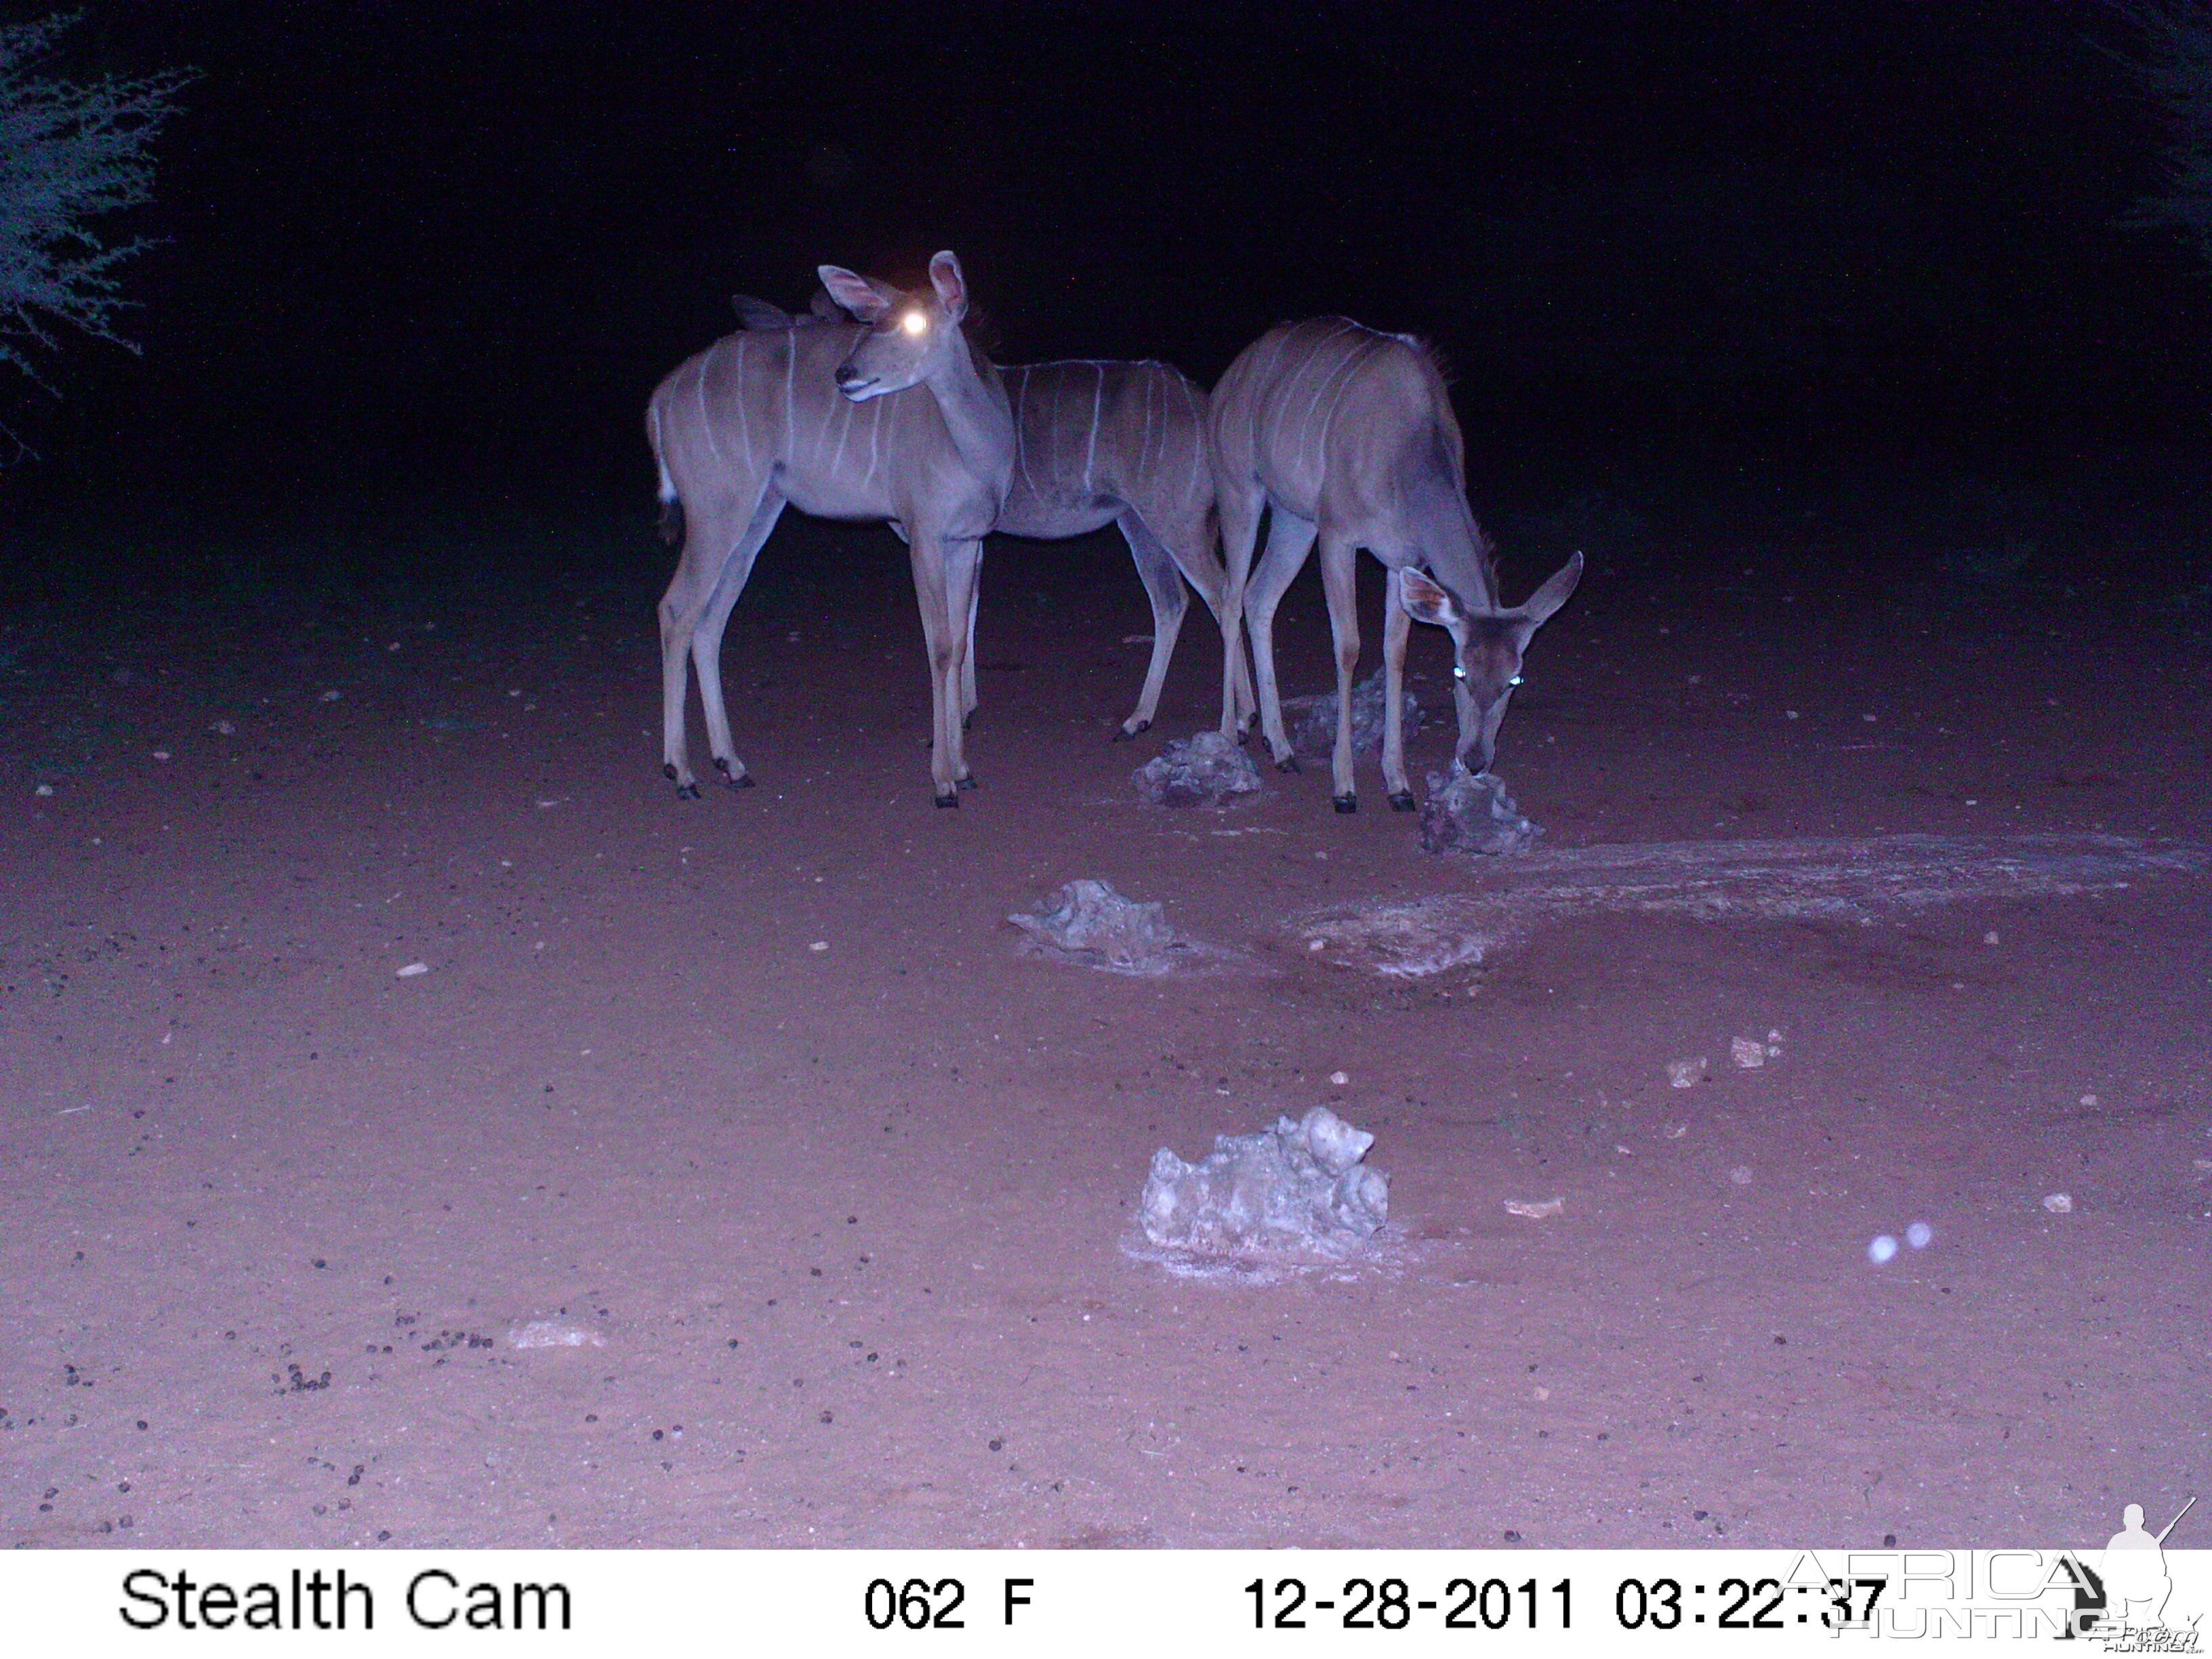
(755, 315)
(951, 286)
(1427, 601)
(866, 299)
(1553, 593)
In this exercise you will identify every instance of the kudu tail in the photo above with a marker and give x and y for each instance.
(672, 505)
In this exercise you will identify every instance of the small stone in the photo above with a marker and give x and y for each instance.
(1684, 1073)
(1338, 1078)
(2059, 1203)
(1741, 1175)
(1882, 1250)
(330, 695)
(160, 754)
(2088, 1100)
(819, 944)
(1990, 938)
(44, 789)
(412, 971)
(1920, 1235)
(1532, 1210)
(1749, 1052)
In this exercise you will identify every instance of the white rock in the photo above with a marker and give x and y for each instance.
(1338, 1078)
(1741, 1175)
(1299, 1187)
(2059, 1203)
(1749, 1052)
(553, 1333)
(1535, 1210)
(1883, 1249)
(1684, 1073)
(412, 971)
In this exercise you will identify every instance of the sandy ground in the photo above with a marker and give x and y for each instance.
(757, 1100)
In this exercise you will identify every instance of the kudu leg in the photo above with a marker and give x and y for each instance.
(707, 640)
(964, 569)
(1290, 538)
(1191, 547)
(679, 615)
(1239, 508)
(940, 641)
(1397, 624)
(967, 659)
(1163, 587)
(1337, 579)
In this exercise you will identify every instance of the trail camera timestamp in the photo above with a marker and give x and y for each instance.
(1397, 1604)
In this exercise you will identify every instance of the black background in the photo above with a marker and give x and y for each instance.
(444, 251)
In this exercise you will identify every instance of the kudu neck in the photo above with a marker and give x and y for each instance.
(1452, 545)
(973, 401)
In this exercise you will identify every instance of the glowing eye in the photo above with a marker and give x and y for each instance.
(913, 322)
(1516, 680)
(1458, 673)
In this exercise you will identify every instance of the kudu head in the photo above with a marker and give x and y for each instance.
(1488, 646)
(909, 335)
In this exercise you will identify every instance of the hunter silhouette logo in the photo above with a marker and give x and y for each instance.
(2123, 1600)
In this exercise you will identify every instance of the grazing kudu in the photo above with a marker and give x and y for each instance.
(815, 417)
(1101, 443)
(1347, 435)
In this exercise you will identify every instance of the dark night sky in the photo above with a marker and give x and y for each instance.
(453, 246)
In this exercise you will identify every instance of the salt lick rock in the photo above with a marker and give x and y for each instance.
(1299, 1187)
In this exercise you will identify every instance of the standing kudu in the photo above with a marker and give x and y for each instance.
(1347, 435)
(1101, 443)
(814, 417)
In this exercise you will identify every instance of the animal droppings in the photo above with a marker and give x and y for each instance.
(1471, 814)
(1302, 1188)
(1204, 770)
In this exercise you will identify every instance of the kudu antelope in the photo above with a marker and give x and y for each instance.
(893, 416)
(1100, 443)
(1347, 435)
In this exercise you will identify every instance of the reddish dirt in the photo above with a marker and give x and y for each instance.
(848, 1222)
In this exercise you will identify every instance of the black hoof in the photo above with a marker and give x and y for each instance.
(1345, 803)
(952, 799)
(668, 771)
(1288, 764)
(1402, 801)
(1123, 733)
(734, 779)
(967, 781)
(687, 792)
